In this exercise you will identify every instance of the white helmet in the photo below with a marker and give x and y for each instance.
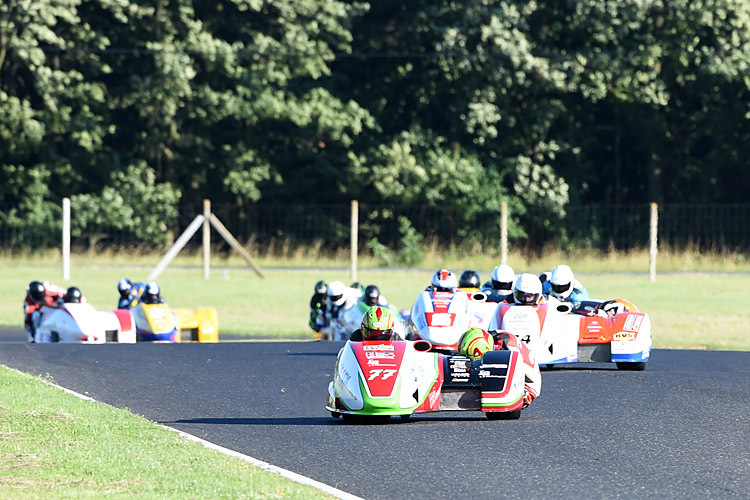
(527, 290)
(561, 281)
(444, 281)
(502, 277)
(336, 290)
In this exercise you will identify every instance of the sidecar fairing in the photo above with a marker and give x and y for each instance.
(82, 323)
(387, 378)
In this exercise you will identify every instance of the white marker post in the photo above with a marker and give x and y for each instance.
(66, 239)
(354, 240)
(653, 234)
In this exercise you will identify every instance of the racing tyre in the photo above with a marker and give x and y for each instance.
(503, 415)
(335, 414)
(405, 417)
(632, 367)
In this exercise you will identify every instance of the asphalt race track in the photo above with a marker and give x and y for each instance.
(680, 429)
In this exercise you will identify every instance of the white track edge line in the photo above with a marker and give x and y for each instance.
(293, 476)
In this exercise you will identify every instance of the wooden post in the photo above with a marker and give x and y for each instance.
(206, 238)
(176, 247)
(66, 239)
(653, 233)
(504, 232)
(354, 241)
(224, 232)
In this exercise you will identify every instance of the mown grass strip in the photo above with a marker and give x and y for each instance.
(56, 446)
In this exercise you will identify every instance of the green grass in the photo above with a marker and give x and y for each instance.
(54, 445)
(689, 309)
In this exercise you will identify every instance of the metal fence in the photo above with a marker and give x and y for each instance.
(715, 227)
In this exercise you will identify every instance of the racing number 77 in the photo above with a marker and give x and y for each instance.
(386, 374)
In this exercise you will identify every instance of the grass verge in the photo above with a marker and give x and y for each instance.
(54, 445)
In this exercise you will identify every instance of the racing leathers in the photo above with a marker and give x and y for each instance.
(318, 319)
(53, 297)
(496, 295)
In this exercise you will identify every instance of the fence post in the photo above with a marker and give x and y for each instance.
(354, 231)
(206, 238)
(653, 231)
(504, 232)
(66, 238)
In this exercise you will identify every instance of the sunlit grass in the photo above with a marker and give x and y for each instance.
(689, 308)
(56, 446)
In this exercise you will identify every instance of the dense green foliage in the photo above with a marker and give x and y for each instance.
(121, 103)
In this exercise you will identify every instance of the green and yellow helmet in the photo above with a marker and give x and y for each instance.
(377, 324)
(475, 342)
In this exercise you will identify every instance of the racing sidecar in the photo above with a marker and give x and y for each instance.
(82, 323)
(159, 323)
(612, 331)
(439, 318)
(374, 380)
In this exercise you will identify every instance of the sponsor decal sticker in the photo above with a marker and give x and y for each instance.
(633, 322)
(433, 397)
(441, 319)
(380, 355)
(623, 336)
(377, 362)
(378, 347)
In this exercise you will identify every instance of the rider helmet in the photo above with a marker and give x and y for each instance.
(73, 296)
(469, 279)
(561, 282)
(475, 342)
(527, 290)
(372, 295)
(444, 281)
(124, 286)
(502, 277)
(36, 291)
(377, 324)
(321, 287)
(151, 293)
(335, 292)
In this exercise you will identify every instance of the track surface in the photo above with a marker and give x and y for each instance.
(680, 429)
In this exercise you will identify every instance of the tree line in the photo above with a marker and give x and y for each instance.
(129, 107)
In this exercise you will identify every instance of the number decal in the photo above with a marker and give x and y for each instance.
(383, 374)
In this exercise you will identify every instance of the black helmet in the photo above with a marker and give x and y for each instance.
(36, 291)
(372, 295)
(73, 295)
(321, 287)
(469, 279)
